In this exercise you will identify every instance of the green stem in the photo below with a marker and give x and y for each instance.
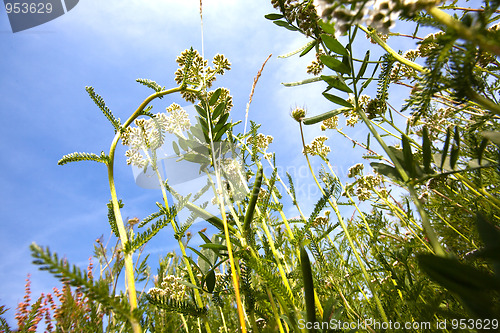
(463, 31)
(124, 239)
(394, 54)
(347, 234)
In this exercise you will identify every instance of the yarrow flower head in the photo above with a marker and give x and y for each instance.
(148, 135)
(260, 140)
(330, 123)
(194, 71)
(355, 170)
(317, 147)
(170, 287)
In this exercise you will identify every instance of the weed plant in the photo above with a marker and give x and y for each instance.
(422, 247)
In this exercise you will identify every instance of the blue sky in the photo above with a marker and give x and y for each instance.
(46, 114)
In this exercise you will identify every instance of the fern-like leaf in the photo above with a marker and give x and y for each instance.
(166, 303)
(112, 217)
(77, 157)
(96, 291)
(151, 84)
(107, 112)
(143, 237)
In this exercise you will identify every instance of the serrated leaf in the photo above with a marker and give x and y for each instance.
(210, 281)
(334, 64)
(336, 82)
(426, 150)
(324, 116)
(273, 16)
(337, 100)
(215, 97)
(334, 45)
(286, 25)
(77, 157)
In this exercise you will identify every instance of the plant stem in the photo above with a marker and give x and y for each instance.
(463, 31)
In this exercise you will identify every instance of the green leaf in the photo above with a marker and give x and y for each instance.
(473, 286)
(215, 97)
(409, 164)
(201, 111)
(446, 146)
(221, 132)
(210, 281)
(336, 82)
(337, 100)
(334, 45)
(481, 149)
(455, 148)
(426, 150)
(386, 170)
(183, 143)
(309, 47)
(307, 277)
(324, 116)
(218, 110)
(490, 235)
(189, 284)
(195, 157)
(299, 83)
(253, 201)
(334, 64)
(176, 148)
(212, 246)
(200, 256)
(364, 65)
(327, 27)
(492, 136)
(222, 121)
(286, 25)
(273, 16)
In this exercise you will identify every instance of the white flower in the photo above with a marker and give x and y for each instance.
(317, 147)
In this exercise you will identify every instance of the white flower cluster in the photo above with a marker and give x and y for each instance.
(260, 140)
(355, 170)
(352, 115)
(330, 123)
(147, 136)
(317, 147)
(378, 14)
(170, 287)
(366, 183)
